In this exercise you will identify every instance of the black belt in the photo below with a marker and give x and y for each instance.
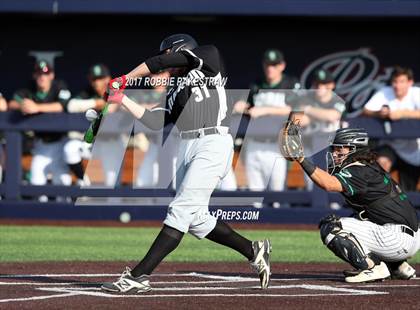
(199, 133)
(407, 230)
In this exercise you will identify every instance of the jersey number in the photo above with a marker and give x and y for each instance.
(198, 92)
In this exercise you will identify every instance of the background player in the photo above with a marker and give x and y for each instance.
(148, 171)
(76, 149)
(201, 114)
(323, 109)
(401, 100)
(264, 165)
(385, 229)
(45, 95)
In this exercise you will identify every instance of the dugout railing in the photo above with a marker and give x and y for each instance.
(12, 189)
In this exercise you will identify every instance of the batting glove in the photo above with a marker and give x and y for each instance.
(118, 83)
(116, 97)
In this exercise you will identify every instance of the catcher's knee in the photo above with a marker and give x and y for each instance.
(343, 244)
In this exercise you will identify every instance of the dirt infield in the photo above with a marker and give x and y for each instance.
(75, 285)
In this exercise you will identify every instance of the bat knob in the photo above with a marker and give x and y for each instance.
(91, 115)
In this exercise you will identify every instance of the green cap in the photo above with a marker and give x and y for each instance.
(273, 57)
(98, 71)
(42, 67)
(323, 76)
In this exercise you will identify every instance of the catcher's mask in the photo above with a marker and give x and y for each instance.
(177, 42)
(353, 139)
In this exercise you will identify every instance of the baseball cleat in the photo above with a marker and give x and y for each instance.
(378, 272)
(128, 284)
(403, 272)
(261, 261)
(351, 273)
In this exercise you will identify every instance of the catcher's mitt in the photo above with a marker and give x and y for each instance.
(291, 145)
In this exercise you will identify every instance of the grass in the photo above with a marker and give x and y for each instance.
(46, 243)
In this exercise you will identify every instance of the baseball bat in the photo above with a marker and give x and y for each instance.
(92, 131)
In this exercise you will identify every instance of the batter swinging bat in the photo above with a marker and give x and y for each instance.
(95, 119)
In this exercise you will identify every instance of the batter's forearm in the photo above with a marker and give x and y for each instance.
(136, 109)
(140, 71)
(154, 119)
(160, 62)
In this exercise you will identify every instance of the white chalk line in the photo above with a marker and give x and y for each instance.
(226, 288)
(384, 285)
(213, 279)
(95, 292)
(68, 294)
(335, 291)
(220, 277)
(98, 294)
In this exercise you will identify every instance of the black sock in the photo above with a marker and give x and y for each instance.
(225, 235)
(376, 260)
(167, 241)
(77, 169)
(394, 265)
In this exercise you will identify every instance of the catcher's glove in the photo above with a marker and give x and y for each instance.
(291, 145)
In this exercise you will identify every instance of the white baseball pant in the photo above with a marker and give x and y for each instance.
(387, 241)
(265, 167)
(48, 158)
(202, 163)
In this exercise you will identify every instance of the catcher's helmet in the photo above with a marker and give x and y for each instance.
(356, 139)
(178, 42)
(351, 136)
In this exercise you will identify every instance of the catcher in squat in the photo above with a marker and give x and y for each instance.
(201, 112)
(383, 233)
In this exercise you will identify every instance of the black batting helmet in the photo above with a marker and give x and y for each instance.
(356, 139)
(178, 42)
